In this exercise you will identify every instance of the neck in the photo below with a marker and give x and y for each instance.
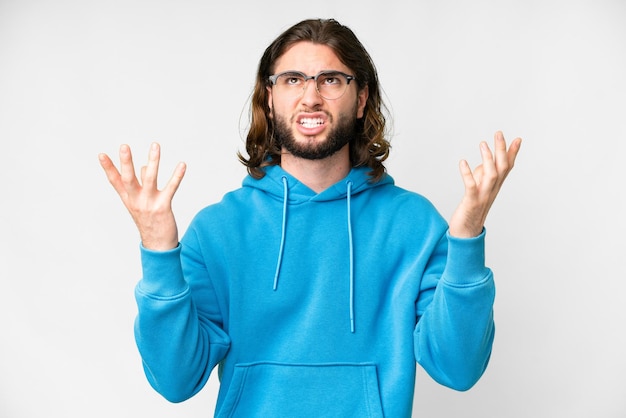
(318, 175)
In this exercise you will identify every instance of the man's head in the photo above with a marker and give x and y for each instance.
(314, 116)
(283, 115)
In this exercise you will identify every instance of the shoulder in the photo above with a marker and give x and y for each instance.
(230, 205)
(405, 207)
(393, 195)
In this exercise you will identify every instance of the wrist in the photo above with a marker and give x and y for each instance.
(162, 273)
(160, 237)
(159, 245)
(464, 231)
(466, 260)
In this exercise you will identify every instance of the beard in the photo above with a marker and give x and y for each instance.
(336, 139)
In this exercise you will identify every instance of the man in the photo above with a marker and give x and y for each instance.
(318, 284)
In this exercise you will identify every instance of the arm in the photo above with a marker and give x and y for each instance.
(179, 328)
(455, 330)
(179, 343)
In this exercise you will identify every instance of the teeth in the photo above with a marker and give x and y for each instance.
(311, 122)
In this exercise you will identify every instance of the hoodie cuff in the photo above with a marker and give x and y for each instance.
(162, 273)
(466, 260)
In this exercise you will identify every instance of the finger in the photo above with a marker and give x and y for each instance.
(111, 172)
(513, 150)
(478, 174)
(172, 185)
(501, 157)
(468, 177)
(106, 164)
(150, 174)
(489, 173)
(127, 168)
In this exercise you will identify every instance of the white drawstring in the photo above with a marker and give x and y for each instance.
(348, 199)
(282, 235)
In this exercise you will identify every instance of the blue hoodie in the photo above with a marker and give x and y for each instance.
(315, 305)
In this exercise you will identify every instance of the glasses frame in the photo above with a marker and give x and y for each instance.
(273, 78)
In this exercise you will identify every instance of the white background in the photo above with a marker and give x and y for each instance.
(81, 77)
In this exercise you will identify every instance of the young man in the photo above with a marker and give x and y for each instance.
(318, 284)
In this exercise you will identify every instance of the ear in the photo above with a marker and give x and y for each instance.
(270, 102)
(361, 101)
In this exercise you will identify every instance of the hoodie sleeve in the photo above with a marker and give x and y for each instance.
(455, 328)
(179, 344)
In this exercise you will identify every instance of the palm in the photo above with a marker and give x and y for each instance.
(150, 208)
(482, 186)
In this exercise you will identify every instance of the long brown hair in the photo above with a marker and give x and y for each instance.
(369, 148)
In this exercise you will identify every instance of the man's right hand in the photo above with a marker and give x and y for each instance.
(150, 208)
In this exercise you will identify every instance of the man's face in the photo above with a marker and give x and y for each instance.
(308, 125)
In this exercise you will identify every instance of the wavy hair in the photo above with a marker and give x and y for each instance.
(369, 148)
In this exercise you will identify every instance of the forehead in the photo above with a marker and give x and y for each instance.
(310, 58)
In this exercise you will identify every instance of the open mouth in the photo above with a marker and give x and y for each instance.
(311, 122)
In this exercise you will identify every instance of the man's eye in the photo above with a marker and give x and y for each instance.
(291, 80)
(331, 80)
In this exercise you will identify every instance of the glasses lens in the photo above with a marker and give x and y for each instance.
(290, 83)
(331, 85)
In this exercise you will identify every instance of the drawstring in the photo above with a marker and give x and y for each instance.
(349, 192)
(282, 235)
(350, 244)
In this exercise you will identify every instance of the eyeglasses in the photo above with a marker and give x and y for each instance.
(331, 85)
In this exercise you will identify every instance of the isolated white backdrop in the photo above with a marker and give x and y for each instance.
(81, 77)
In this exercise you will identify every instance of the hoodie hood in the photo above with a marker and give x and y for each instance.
(272, 183)
(286, 188)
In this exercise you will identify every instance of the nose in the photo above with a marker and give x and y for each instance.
(310, 97)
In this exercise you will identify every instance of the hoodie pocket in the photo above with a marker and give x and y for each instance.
(303, 390)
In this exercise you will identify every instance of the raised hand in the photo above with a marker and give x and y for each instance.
(482, 186)
(150, 208)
